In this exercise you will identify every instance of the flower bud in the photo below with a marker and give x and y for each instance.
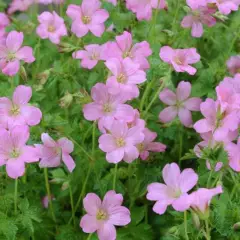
(220, 16)
(23, 74)
(236, 226)
(123, 173)
(65, 186)
(43, 76)
(195, 220)
(66, 48)
(66, 101)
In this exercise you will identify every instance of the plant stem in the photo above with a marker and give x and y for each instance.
(49, 194)
(208, 237)
(154, 99)
(93, 139)
(176, 14)
(89, 236)
(15, 196)
(82, 192)
(185, 225)
(72, 204)
(115, 176)
(209, 178)
(180, 144)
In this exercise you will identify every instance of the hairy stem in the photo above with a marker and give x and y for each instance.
(72, 204)
(115, 176)
(185, 225)
(15, 196)
(49, 194)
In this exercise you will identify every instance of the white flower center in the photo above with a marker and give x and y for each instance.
(15, 153)
(120, 142)
(86, 19)
(101, 215)
(15, 110)
(121, 78)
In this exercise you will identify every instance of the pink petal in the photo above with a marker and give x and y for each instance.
(74, 11)
(79, 29)
(114, 65)
(187, 21)
(189, 69)
(15, 168)
(22, 95)
(158, 191)
(119, 216)
(97, 29)
(68, 161)
(124, 112)
(92, 111)
(11, 68)
(48, 141)
(160, 207)
(107, 232)
(32, 115)
(156, 147)
(119, 129)
(131, 153)
(115, 156)
(107, 143)
(89, 7)
(20, 135)
(166, 54)
(100, 16)
(14, 41)
(112, 199)
(185, 117)
(25, 54)
(197, 29)
(168, 114)
(171, 175)
(66, 145)
(45, 17)
(168, 97)
(193, 104)
(92, 203)
(182, 203)
(89, 224)
(183, 90)
(202, 126)
(29, 154)
(134, 136)
(188, 179)
(124, 41)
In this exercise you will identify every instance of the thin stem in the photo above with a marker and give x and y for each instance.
(145, 94)
(209, 178)
(89, 236)
(15, 196)
(72, 204)
(185, 225)
(154, 99)
(176, 14)
(49, 194)
(180, 144)
(146, 214)
(208, 237)
(115, 176)
(82, 192)
(93, 139)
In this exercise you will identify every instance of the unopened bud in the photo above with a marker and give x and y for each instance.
(23, 74)
(82, 96)
(43, 76)
(220, 16)
(195, 220)
(173, 230)
(66, 101)
(187, 9)
(29, 27)
(123, 173)
(236, 226)
(66, 48)
(168, 32)
(65, 186)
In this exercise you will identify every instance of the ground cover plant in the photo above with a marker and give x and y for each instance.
(119, 119)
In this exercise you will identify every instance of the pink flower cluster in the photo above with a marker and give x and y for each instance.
(175, 192)
(202, 12)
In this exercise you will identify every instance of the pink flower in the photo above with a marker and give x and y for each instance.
(197, 18)
(4, 20)
(90, 56)
(103, 216)
(51, 152)
(226, 6)
(220, 124)
(14, 152)
(17, 111)
(45, 201)
(107, 107)
(174, 191)
(215, 168)
(124, 47)
(45, 2)
(148, 145)
(179, 103)
(180, 59)
(143, 8)
(125, 76)
(197, 4)
(87, 17)
(120, 143)
(51, 26)
(137, 121)
(19, 5)
(200, 200)
(11, 53)
(114, 2)
(233, 64)
(233, 155)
